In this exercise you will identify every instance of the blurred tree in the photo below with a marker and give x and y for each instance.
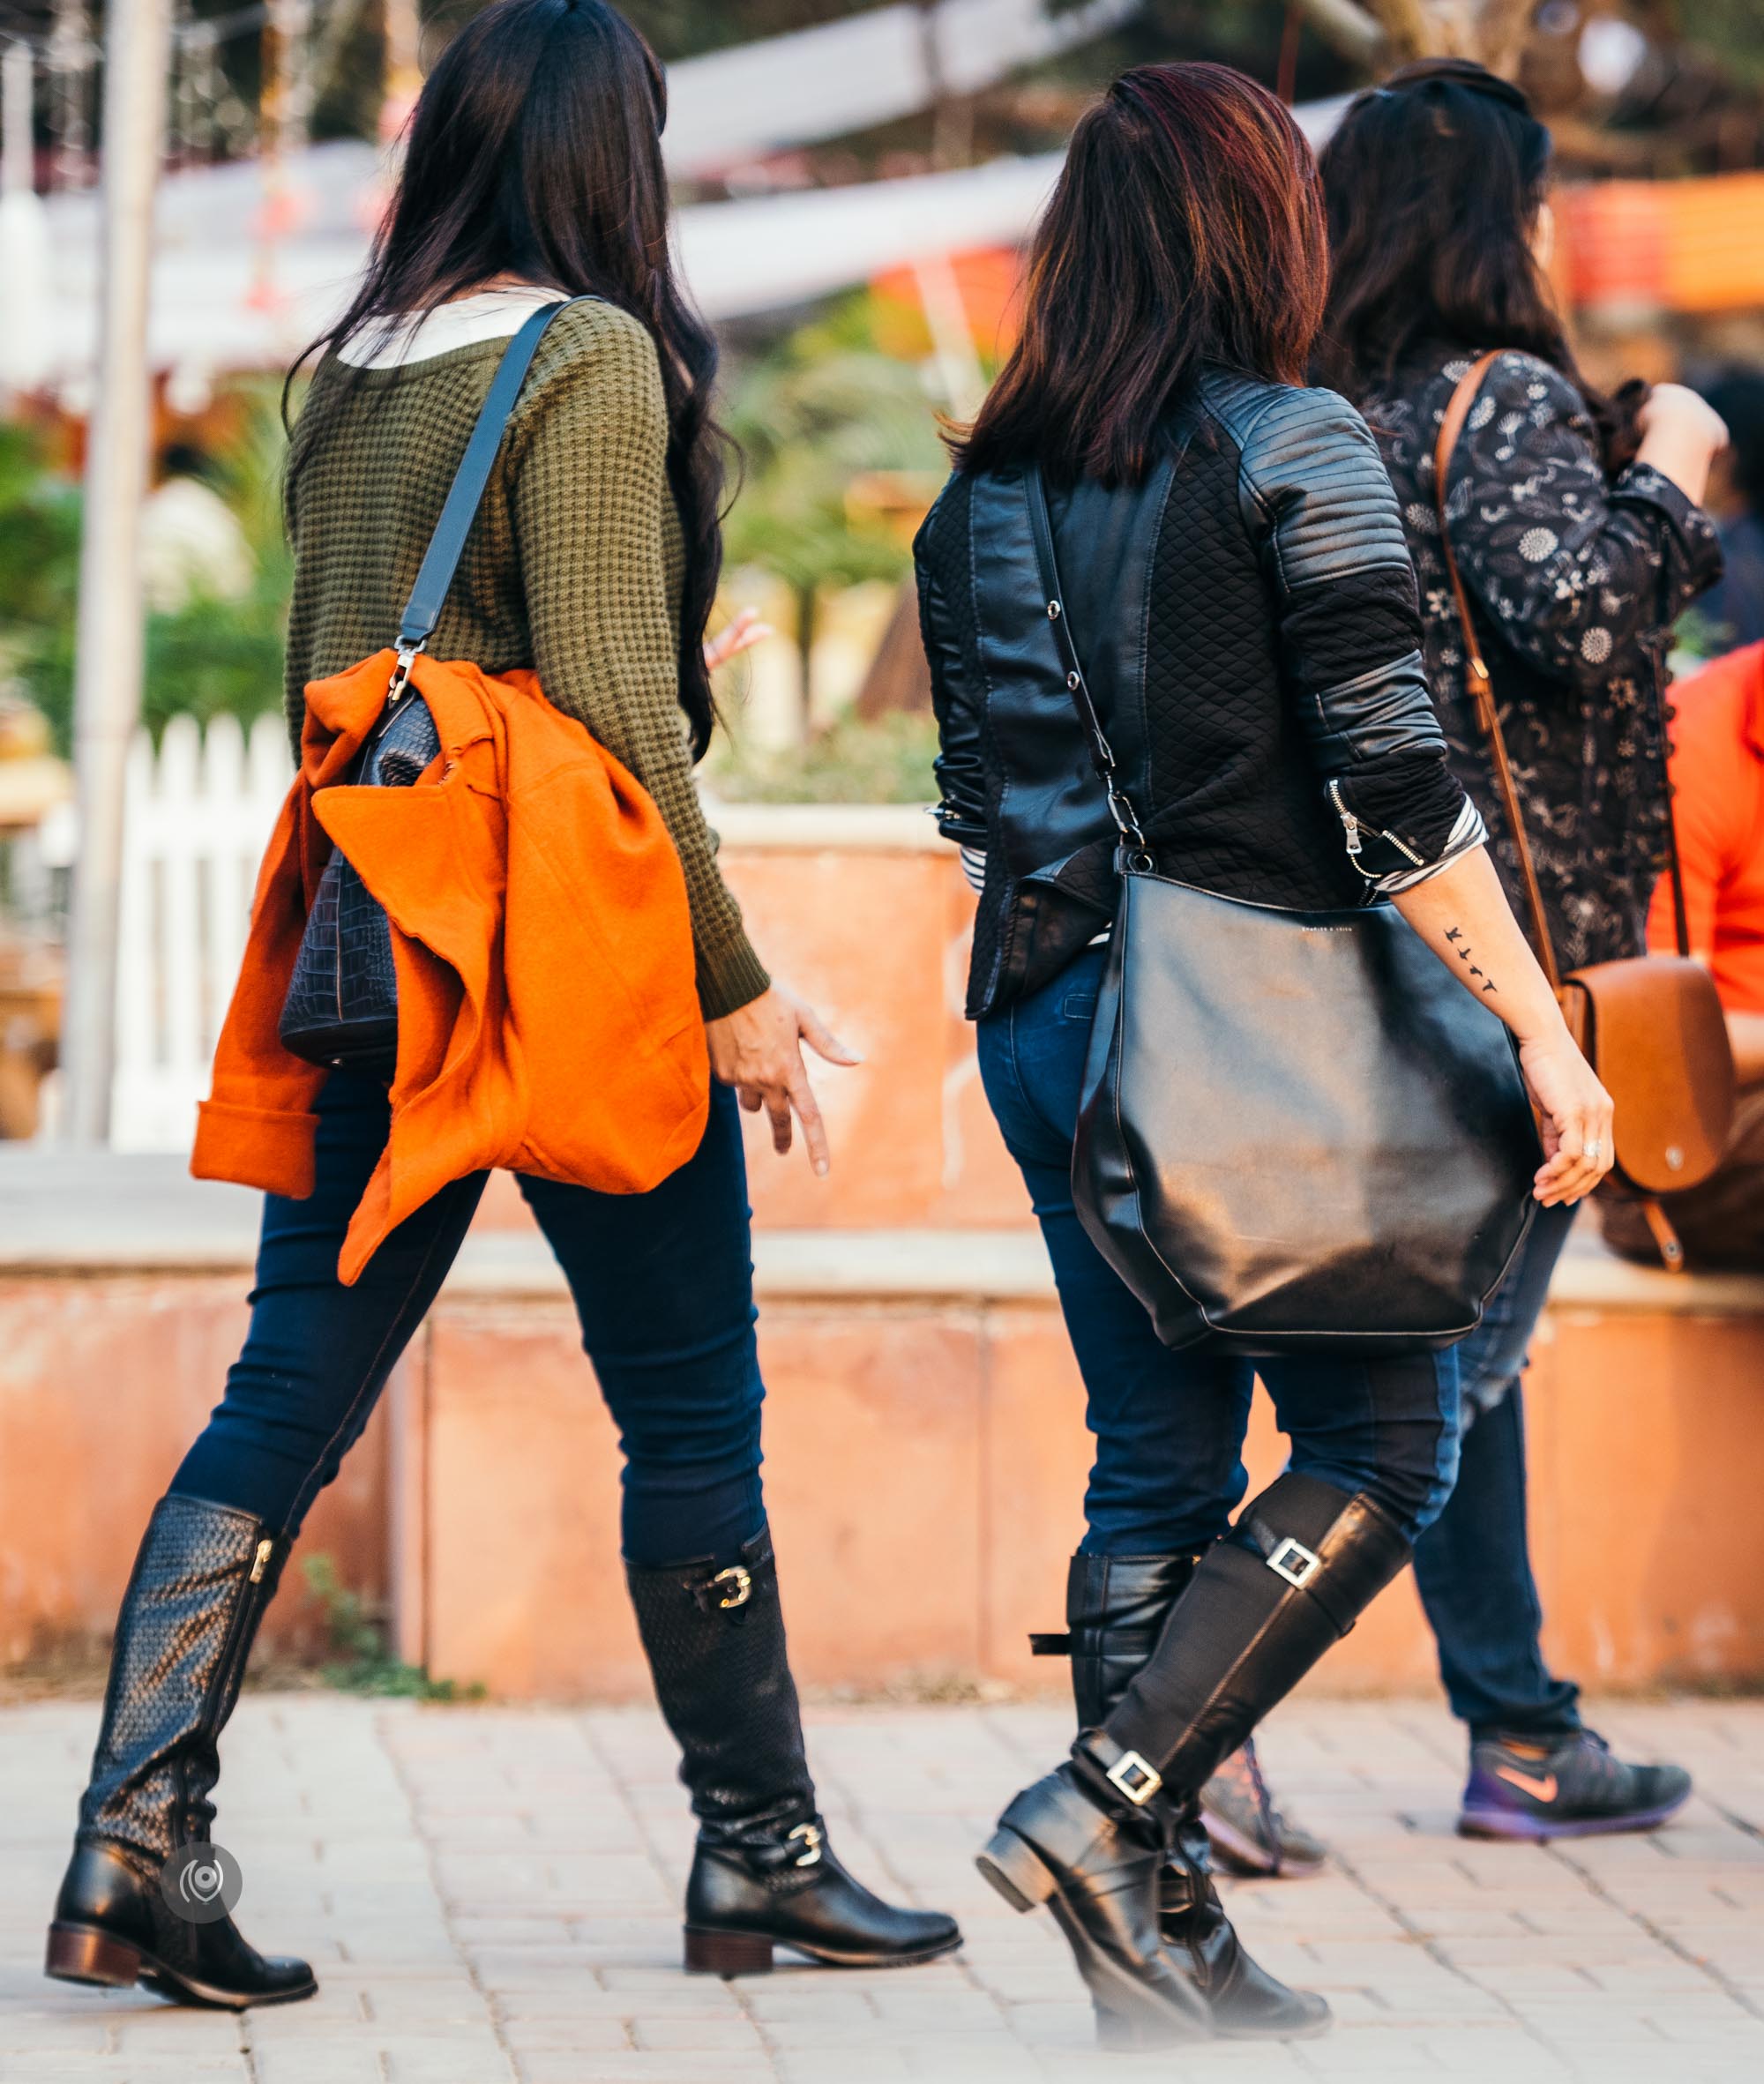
(39, 575)
(215, 654)
(206, 655)
(812, 416)
(1492, 32)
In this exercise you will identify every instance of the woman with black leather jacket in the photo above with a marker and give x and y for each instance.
(1576, 528)
(1235, 575)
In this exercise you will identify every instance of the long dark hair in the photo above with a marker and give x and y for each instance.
(1186, 228)
(535, 152)
(1433, 184)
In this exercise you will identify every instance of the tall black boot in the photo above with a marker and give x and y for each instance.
(763, 1874)
(1263, 1605)
(1301, 1564)
(203, 1577)
(1115, 1610)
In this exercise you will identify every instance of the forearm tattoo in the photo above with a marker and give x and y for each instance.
(1465, 953)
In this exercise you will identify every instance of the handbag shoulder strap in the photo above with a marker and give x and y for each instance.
(447, 545)
(1481, 685)
(1101, 754)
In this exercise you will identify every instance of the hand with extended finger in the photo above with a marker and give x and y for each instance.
(758, 1050)
(1575, 1114)
(741, 635)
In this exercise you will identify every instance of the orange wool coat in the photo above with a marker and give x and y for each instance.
(548, 1018)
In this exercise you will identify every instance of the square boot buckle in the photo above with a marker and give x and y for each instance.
(1294, 1562)
(1135, 1777)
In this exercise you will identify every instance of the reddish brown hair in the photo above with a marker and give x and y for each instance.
(1187, 227)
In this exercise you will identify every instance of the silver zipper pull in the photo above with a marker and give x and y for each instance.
(261, 1561)
(1350, 824)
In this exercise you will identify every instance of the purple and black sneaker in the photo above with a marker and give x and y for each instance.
(1570, 1787)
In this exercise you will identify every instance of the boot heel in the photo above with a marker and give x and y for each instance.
(1017, 1871)
(77, 1953)
(726, 1953)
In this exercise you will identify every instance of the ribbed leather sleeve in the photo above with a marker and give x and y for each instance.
(1316, 497)
(939, 553)
(1312, 471)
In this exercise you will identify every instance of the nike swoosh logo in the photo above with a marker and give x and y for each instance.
(1540, 1790)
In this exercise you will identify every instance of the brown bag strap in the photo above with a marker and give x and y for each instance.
(1666, 1242)
(1481, 688)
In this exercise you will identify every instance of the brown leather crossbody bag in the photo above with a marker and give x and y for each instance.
(1652, 1027)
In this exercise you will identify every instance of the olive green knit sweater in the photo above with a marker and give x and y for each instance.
(574, 565)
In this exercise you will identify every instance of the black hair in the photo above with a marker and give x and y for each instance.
(1737, 395)
(1186, 228)
(1433, 184)
(536, 151)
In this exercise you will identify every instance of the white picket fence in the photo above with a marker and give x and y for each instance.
(198, 818)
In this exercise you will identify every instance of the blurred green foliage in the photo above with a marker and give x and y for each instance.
(39, 574)
(211, 655)
(888, 761)
(1731, 33)
(361, 1662)
(821, 408)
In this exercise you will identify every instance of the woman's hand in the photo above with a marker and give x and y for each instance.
(1462, 914)
(1575, 1114)
(1680, 434)
(758, 1050)
(742, 635)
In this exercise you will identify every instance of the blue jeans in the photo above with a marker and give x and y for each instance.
(1473, 1567)
(1169, 1427)
(663, 1286)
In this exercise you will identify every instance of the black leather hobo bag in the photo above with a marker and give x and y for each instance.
(1298, 1131)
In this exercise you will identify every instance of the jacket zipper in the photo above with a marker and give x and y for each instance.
(1350, 824)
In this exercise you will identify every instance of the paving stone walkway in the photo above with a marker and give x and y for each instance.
(490, 1897)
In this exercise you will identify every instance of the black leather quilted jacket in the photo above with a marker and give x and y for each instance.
(1248, 624)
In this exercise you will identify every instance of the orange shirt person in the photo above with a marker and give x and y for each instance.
(1718, 775)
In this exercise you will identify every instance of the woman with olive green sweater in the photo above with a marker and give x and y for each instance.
(534, 176)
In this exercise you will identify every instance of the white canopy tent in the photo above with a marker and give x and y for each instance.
(224, 299)
(868, 69)
(227, 295)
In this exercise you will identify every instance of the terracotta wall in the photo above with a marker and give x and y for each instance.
(104, 1382)
(926, 1465)
(926, 1461)
(926, 1457)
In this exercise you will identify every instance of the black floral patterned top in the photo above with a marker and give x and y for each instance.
(1575, 581)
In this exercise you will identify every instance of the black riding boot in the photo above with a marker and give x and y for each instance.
(202, 1579)
(1301, 1564)
(1115, 1609)
(1263, 1605)
(763, 1874)
(1093, 1848)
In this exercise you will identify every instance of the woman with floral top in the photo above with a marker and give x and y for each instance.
(1576, 525)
